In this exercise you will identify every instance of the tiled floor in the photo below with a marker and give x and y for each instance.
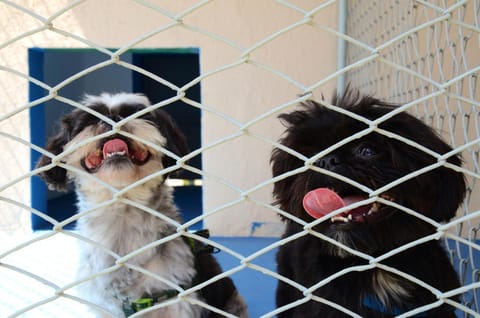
(53, 261)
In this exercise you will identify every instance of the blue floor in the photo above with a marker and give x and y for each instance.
(258, 289)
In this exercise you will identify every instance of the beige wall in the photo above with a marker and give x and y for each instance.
(16, 37)
(444, 52)
(224, 30)
(306, 54)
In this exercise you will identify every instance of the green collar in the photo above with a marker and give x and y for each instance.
(197, 247)
(148, 301)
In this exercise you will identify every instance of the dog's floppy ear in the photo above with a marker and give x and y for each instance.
(283, 162)
(176, 140)
(56, 177)
(451, 190)
(443, 189)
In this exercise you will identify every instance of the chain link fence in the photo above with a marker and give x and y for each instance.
(422, 54)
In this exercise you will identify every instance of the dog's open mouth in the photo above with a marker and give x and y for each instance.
(116, 149)
(322, 201)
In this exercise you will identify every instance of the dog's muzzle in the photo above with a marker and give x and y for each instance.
(322, 201)
(114, 150)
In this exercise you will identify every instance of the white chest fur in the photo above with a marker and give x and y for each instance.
(125, 262)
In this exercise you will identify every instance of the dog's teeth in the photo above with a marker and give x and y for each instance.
(340, 218)
(117, 153)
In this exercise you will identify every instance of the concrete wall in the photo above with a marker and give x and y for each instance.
(223, 31)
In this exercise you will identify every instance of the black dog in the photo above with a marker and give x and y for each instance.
(387, 222)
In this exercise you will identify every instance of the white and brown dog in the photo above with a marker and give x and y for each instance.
(100, 161)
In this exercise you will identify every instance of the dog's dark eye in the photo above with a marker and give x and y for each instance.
(366, 152)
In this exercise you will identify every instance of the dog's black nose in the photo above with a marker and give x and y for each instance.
(329, 162)
(115, 117)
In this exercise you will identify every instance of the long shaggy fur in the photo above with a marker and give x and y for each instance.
(372, 160)
(98, 167)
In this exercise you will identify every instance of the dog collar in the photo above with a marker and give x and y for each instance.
(148, 301)
(198, 247)
(373, 303)
(129, 308)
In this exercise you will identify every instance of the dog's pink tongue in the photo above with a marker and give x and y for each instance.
(321, 201)
(114, 146)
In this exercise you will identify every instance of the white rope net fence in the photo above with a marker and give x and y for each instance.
(422, 54)
(424, 59)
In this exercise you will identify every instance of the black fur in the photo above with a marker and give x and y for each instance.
(219, 292)
(373, 160)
